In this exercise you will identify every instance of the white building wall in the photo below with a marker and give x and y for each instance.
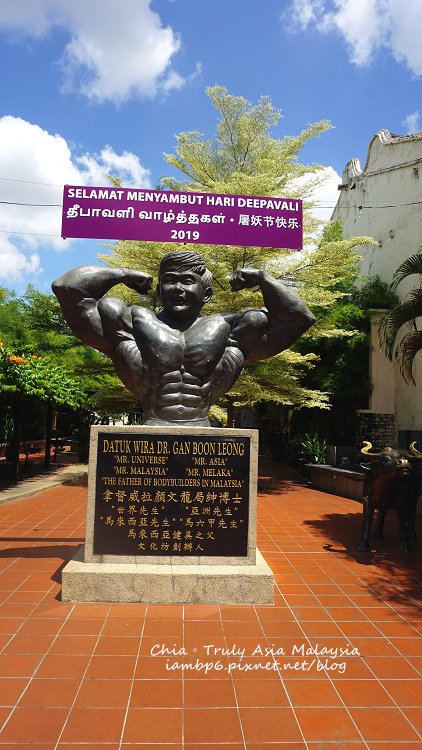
(384, 200)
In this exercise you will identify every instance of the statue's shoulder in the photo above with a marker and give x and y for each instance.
(215, 322)
(252, 317)
(142, 314)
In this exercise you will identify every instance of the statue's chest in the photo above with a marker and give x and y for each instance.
(198, 350)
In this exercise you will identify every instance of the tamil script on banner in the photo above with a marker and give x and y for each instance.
(116, 213)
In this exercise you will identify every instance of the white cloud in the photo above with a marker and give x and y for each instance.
(366, 26)
(41, 163)
(116, 49)
(322, 190)
(325, 194)
(412, 122)
(13, 262)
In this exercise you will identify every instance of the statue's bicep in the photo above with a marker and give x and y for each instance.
(116, 320)
(249, 330)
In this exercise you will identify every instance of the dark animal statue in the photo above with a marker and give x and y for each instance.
(392, 480)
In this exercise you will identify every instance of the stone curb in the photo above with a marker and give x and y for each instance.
(72, 474)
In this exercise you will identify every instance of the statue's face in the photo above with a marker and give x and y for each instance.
(182, 293)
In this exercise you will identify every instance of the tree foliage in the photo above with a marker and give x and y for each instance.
(342, 370)
(245, 158)
(38, 377)
(404, 315)
(41, 358)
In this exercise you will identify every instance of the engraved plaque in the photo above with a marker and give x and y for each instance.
(160, 495)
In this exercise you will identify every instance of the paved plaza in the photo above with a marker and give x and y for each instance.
(335, 663)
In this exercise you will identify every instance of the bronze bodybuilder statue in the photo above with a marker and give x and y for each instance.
(177, 362)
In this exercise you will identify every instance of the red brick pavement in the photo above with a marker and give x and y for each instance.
(83, 675)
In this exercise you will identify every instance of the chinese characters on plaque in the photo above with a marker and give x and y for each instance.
(172, 495)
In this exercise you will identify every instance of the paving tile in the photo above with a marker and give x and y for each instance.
(155, 667)
(73, 644)
(34, 725)
(201, 612)
(10, 625)
(199, 630)
(157, 694)
(18, 665)
(117, 646)
(251, 629)
(10, 690)
(47, 626)
(408, 646)
(63, 666)
(394, 745)
(239, 613)
(212, 725)
(324, 598)
(325, 628)
(116, 626)
(29, 644)
(364, 693)
(404, 692)
(94, 725)
(383, 724)
(387, 667)
(160, 628)
(312, 693)
(165, 611)
(414, 716)
(50, 693)
(269, 725)
(112, 667)
(153, 725)
(255, 693)
(128, 611)
(326, 724)
(374, 647)
(342, 746)
(83, 627)
(87, 611)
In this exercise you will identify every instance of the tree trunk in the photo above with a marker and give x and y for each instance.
(14, 444)
(48, 432)
(230, 411)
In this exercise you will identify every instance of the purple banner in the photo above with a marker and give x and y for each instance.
(112, 213)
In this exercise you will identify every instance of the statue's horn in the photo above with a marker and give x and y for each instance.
(366, 449)
(414, 450)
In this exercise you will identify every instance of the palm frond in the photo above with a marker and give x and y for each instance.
(407, 268)
(403, 314)
(410, 345)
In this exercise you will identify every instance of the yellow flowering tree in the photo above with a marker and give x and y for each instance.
(245, 158)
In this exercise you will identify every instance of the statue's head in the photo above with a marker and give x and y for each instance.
(184, 284)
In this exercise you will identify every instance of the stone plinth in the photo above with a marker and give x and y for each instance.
(168, 584)
(171, 518)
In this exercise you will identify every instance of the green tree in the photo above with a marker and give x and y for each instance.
(34, 325)
(245, 158)
(404, 315)
(342, 370)
(38, 377)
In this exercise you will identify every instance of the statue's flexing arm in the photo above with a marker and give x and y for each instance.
(97, 320)
(178, 362)
(262, 333)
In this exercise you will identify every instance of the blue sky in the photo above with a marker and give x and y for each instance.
(91, 87)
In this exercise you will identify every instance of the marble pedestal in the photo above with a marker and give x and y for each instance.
(102, 573)
(167, 584)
